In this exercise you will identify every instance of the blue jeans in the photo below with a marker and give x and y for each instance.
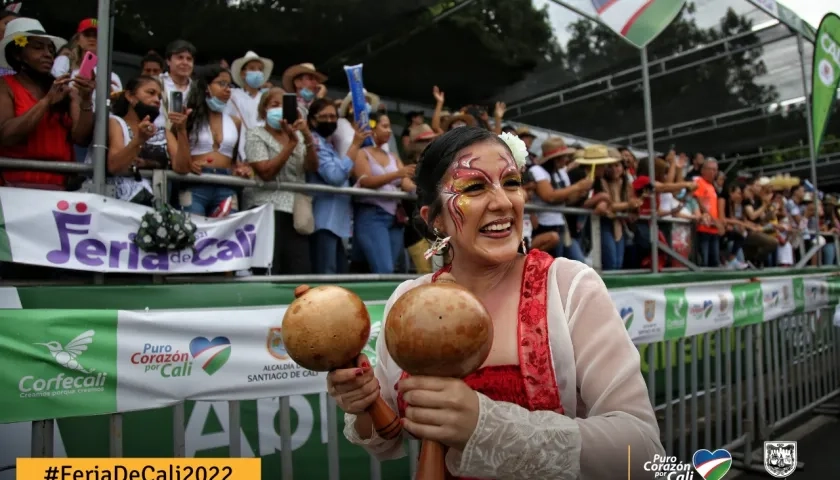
(829, 253)
(328, 255)
(708, 245)
(202, 199)
(572, 251)
(378, 237)
(612, 250)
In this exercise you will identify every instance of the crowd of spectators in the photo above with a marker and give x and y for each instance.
(228, 120)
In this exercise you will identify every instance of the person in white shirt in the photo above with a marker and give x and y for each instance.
(250, 73)
(180, 61)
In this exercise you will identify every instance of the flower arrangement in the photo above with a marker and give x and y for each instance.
(517, 147)
(165, 229)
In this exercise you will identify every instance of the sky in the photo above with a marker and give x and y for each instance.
(782, 72)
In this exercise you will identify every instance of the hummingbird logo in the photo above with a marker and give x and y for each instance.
(68, 355)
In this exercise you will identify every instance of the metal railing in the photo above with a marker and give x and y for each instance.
(732, 388)
(161, 178)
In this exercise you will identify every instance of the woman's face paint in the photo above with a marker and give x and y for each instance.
(483, 187)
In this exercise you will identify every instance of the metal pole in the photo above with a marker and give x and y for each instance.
(801, 44)
(654, 226)
(103, 90)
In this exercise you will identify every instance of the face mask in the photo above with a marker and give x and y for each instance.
(144, 110)
(254, 79)
(263, 90)
(273, 117)
(325, 129)
(307, 94)
(216, 105)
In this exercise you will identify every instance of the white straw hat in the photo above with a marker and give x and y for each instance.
(22, 28)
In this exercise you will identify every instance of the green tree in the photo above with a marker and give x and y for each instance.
(686, 94)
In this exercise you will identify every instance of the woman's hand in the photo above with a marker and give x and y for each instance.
(301, 126)
(441, 409)
(407, 171)
(84, 87)
(439, 96)
(179, 120)
(289, 130)
(195, 166)
(635, 203)
(59, 89)
(146, 129)
(499, 111)
(361, 134)
(354, 389)
(243, 170)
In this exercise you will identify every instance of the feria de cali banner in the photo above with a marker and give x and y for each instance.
(90, 232)
(826, 75)
(66, 363)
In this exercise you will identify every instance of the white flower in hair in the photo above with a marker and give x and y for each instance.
(517, 147)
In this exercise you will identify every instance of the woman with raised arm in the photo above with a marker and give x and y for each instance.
(561, 394)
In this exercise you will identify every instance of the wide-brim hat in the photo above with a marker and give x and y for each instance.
(421, 132)
(23, 28)
(524, 132)
(596, 155)
(460, 117)
(295, 71)
(553, 147)
(372, 98)
(238, 64)
(784, 182)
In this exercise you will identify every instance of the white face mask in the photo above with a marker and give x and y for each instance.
(458, 124)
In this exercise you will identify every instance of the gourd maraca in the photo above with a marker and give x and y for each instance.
(325, 328)
(442, 330)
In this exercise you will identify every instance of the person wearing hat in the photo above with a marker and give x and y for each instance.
(6, 16)
(306, 82)
(82, 42)
(460, 119)
(39, 118)
(413, 119)
(249, 72)
(524, 134)
(344, 133)
(553, 188)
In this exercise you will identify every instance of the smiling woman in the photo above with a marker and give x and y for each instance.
(560, 394)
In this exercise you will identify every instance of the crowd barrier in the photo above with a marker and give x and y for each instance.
(729, 362)
(162, 178)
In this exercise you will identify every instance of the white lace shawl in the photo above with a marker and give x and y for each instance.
(608, 425)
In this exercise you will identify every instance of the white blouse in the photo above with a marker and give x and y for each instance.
(605, 400)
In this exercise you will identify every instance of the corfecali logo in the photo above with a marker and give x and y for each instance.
(78, 379)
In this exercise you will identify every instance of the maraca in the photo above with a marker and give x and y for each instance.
(442, 330)
(325, 328)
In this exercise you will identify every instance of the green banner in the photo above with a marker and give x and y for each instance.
(826, 75)
(786, 16)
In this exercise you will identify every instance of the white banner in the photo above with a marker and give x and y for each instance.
(164, 357)
(81, 231)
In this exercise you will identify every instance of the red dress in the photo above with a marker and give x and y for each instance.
(532, 383)
(49, 141)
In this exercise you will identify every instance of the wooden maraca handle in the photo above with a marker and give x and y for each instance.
(432, 462)
(385, 421)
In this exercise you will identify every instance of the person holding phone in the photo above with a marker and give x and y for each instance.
(81, 52)
(213, 137)
(41, 116)
(284, 152)
(333, 213)
(135, 142)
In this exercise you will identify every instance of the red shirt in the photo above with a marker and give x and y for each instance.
(50, 140)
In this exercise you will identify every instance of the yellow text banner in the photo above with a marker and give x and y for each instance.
(138, 469)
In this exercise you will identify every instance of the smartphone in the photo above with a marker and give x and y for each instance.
(290, 108)
(87, 65)
(176, 102)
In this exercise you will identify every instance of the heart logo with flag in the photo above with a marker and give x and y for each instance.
(626, 315)
(210, 354)
(638, 21)
(712, 465)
